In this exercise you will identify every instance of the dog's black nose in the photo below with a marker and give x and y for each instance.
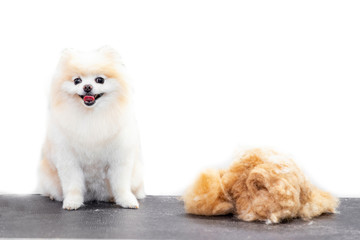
(88, 88)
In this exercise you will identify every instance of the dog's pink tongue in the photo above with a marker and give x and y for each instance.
(89, 99)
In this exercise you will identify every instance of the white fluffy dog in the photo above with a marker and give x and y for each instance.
(92, 147)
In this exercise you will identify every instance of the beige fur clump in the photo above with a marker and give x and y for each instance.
(261, 184)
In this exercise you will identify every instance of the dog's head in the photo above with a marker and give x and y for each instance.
(89, 79)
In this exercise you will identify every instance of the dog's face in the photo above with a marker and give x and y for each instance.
(90, 88)
(89, 79)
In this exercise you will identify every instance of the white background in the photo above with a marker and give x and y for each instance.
(208, 76)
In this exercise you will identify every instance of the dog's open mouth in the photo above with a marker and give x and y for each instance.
(90, 99)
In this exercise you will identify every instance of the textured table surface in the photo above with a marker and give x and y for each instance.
(159, 217)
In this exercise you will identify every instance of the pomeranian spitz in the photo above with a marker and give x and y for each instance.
(92, 147)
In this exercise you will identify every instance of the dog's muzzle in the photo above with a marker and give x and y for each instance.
(89, 99)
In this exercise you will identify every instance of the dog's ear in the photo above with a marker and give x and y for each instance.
(111, 53)
(66, 54)
(206, 196)
(107, 50)
(67, 51)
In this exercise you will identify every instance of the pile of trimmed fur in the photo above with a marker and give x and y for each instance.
(260, 185)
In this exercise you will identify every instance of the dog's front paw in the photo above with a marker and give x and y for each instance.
(127, 201)
(73, 202)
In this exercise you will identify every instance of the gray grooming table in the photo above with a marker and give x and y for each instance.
(159, 217)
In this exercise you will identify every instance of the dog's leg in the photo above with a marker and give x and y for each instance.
(49, 182)
(120, 173)
(72, 180)
(140, 191)
(137, 182)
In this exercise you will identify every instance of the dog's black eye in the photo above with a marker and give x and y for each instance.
(77, 81)
(99, 80)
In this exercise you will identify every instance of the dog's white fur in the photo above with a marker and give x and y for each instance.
(91, 153)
